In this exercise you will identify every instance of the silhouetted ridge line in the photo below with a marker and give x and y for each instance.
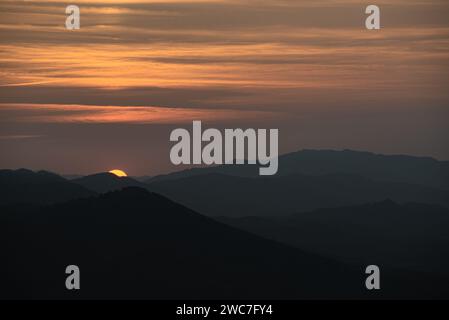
(42, 187)
(219, 194)
(392, 168)
(105, 181)
(409, 236)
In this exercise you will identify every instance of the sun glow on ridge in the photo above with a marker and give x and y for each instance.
(118, 173)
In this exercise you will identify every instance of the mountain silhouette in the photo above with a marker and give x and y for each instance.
(42, 187)
(224, 195)
(392, 168)
(105, 182)
(136, 244)
(411, 236)
(132, 243)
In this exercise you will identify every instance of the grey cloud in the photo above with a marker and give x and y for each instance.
(151, 22)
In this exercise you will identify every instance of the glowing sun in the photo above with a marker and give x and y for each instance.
(118, 173)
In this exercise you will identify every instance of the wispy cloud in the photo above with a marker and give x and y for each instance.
(309, 68)
(19, 136)
(48, 113)
(225, 44)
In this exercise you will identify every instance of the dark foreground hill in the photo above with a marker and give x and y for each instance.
(225, 195)
(135, 244)
(26, 186)
(410, 236)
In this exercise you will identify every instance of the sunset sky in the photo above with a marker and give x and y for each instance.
(107, 96)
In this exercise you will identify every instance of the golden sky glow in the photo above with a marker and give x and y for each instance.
(172, 44)
(113, 50)
(308, 67)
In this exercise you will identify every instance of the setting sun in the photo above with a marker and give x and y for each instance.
(118, 173)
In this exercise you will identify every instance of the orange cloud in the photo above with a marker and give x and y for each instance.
(52, 113)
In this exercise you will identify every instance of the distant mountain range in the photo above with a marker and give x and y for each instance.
(136, 244)
(307, 180)
(307, 232)
(392, 168)
(224, 195)
(410, 236)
